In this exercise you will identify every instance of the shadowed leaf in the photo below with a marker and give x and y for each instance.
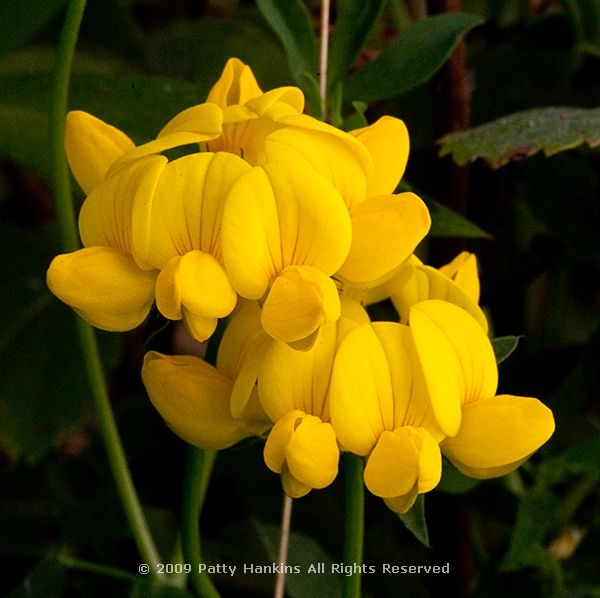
(412, 59)
(520, 135)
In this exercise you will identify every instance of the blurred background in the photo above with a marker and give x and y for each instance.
(523, 193)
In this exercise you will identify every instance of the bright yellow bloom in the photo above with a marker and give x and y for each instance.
(294, 391)
(161, 219)
(488, 435)
(380, 409)
(286, 230)
(456, 283)
(193, 398)
(104, 282)
(386, 228)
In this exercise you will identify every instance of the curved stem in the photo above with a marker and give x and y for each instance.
(69, 241)
(198, 469)
(284, 542)
(354, 524)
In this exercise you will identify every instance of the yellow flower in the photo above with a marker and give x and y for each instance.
(193, 398)
(487, 435)
(285, 231)
(386, 228)
(380, 409)
(457, 282)
(293, 387)
(152, 220)
(104, 282)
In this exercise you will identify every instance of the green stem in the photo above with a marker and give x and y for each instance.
(355, 523)
(103, 570)
(198, 469)
(69, 240)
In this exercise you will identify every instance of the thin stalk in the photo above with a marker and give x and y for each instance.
(95, 568)
(324, 54)
(284, 542)
(198, 469)
(69, 240)
(354, 524)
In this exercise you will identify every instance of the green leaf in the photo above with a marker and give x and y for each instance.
(445, 222)
(504, 346)
(291, 21)
(412, 59)
(139, 105)
(21, 20)
(522, 134)
(354, 20)
(526, 547)
(415, 521)
(178, 46)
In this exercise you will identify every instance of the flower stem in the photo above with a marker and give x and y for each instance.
(198, 469)
(324, 54)
(284, 542)
(354, 524)
(68, 235)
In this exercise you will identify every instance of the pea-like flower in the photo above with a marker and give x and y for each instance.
(380, 410)
(487, 435)
(286, 230)
(152, 229)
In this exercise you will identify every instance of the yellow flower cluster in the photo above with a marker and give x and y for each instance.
(289, 227)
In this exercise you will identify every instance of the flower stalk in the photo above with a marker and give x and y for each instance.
(284, 541)
(69, 240)
(354, 523)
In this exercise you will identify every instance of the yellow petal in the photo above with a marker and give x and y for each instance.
(278, 103)
(336, 155)
(92, 146)
(195, 284)
(236, 85)
(193, 399)
(279, 439)
(392, 468)
(313, 453)
(293, 487)
(241, 352)
(385, 232)
(306, 445)
(106, 215)
(291, 379)
(457, 359)
(420, 282)
(104, 286)
(497, 434)
(403, 459)
(205, 288)
(198, 327)
(278, 216)
(360, 394)
(250, 235)
(301, 300)
(197, 124)
(184, 212)
(388, 143)
(463, 271)
(402, 504)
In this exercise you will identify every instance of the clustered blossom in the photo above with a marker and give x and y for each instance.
(289, 228)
